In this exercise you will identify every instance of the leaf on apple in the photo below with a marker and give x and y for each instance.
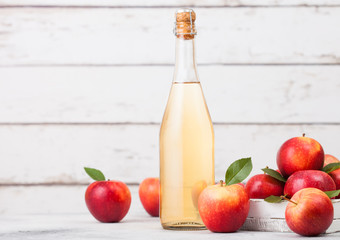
(331, 167)
(95, 174)
(273, 199)
(332, 194)
(274, 174)
(238, 171)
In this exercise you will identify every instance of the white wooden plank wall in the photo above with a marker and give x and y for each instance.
(85, 83)
(140, 36)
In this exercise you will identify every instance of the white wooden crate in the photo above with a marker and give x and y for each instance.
(270, 217)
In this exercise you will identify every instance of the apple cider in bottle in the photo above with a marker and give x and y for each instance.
(186, 136)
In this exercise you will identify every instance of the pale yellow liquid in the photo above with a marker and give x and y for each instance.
(186, 156)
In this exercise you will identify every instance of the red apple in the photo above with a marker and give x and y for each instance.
(108, 201)
(223, 208)
(299, 153)
(335, 175)
(149, 195)
(310, 213)
(330, 159)
(263, 186)
(308, 179)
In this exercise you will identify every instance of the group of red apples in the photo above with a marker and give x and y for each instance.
(224, 207)
(302, 180)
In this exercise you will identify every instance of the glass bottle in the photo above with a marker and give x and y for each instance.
(186, 136)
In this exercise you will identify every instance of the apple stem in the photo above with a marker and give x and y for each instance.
(303, 134)
(221, 183)
(285, 198)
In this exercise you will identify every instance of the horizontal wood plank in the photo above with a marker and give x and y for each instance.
(57, 154)
(63, 200)
(118, 36)
(169, 3)
(235, 94)
(44, 200)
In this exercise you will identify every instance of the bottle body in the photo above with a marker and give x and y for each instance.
(186, 137)
(186, 156)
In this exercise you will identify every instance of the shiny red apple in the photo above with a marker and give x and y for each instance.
(223, 208)
(262, 186)
(149, 195)
(335, 175)
(108, 201)
(310, 213)
(299, 153)
(308, 179)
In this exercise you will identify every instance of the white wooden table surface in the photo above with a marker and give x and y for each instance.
(80, 224)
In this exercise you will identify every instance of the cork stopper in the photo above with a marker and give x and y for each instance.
(185, 24)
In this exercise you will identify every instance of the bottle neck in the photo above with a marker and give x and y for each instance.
(185, 67)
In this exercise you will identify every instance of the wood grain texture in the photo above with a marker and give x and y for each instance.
(169, 3)
(57, 153)
(235, 94)
(108, 36)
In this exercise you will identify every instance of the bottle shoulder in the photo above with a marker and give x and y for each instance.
(186, 103)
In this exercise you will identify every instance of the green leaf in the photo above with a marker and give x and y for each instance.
(334, 193)
(238, 171)
(273, 199)
(274, 174)
(95, 174)
(331, 167)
